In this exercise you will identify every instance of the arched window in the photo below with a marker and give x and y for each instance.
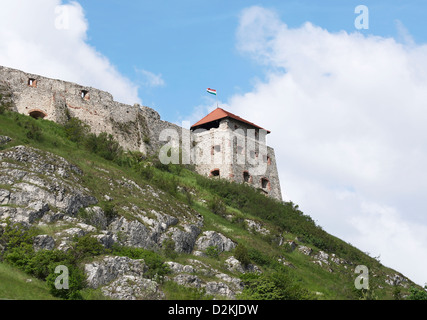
(215, 173)
(37, 114)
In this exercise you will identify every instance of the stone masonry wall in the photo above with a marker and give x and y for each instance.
(233, 152)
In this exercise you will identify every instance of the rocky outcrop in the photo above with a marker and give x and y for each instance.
(43, 242)
(215, 239)
(40, 186)
(256, 227)
(4, 140)
(128, 287)
(122, 278)
(397, 280)
(305, 250)
(103, 272)
(96, 217)
(234, 265)
(38, 181)
(179, 268)
(194, 275)
(188, 280)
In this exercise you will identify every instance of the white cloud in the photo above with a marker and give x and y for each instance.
(151, 79)
(347, 114)
(49, 38)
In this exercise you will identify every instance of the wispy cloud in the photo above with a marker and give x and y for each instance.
(403, 33)
(150, 79)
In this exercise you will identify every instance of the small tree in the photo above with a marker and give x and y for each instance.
(241, 254)
(76, 130)
(418, 294)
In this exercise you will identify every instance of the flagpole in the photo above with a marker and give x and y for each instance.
(215, 92)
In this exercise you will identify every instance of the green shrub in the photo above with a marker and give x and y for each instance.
(212, 252)
(273, 286)
(40, 265)
(259, 258)
(76, 282)
(15, 235)
(146, 171)
(104, 145)
(217, 206)
(33, 131)
(418, 294)
(241, 254)
(76, 130)
(110, 211)
(86, 246)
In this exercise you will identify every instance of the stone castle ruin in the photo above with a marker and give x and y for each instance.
(220, 145)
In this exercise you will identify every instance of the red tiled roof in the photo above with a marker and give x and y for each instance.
(218, 114)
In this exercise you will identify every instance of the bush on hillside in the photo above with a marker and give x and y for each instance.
(272, 286)
(241, 254)
(76, 130)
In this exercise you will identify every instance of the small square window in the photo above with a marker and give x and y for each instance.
(32, 82)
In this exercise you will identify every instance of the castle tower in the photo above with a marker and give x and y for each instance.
(230, 147)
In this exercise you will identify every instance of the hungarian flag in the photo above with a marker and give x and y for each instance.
(212, 91)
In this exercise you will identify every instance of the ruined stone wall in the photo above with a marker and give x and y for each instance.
(134, 127)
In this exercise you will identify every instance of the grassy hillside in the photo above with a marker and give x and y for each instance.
(16, 285)
(225, 206)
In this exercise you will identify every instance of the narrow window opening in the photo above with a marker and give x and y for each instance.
(32, 82)
(246, 176)
(84, 94)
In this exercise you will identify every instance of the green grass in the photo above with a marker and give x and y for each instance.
(104, 177)
(173, 291)
(16, 285)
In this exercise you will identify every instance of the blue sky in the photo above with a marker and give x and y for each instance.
(192, 44)
(347, 108)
